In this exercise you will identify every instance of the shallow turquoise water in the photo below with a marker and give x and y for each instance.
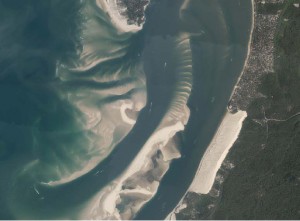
(37, 123)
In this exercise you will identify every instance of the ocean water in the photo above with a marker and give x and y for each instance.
(82, 102)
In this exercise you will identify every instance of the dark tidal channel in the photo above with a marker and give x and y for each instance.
(220, 35)
(218, 58)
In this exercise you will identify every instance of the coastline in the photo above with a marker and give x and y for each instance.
(214, 156)
(258, 161)
(216, 152)
(181, 205)
(248, 52)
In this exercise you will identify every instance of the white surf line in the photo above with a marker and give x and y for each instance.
(90, 165)
(172, 214)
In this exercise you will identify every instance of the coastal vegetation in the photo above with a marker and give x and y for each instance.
(265, 180)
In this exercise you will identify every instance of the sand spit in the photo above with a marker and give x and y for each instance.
(128, 193)
(214, 156)
(242, 114)
(133, 184)
(216, 152)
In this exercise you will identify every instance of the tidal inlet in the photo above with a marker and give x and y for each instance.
(100, 101)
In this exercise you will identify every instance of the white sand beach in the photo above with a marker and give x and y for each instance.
(196, 185)
(216, 152)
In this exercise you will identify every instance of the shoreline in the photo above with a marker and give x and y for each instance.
(177, 209)
(217, 150)
(249, 50)
(111, 195)
(262, 164)
(209, 167)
